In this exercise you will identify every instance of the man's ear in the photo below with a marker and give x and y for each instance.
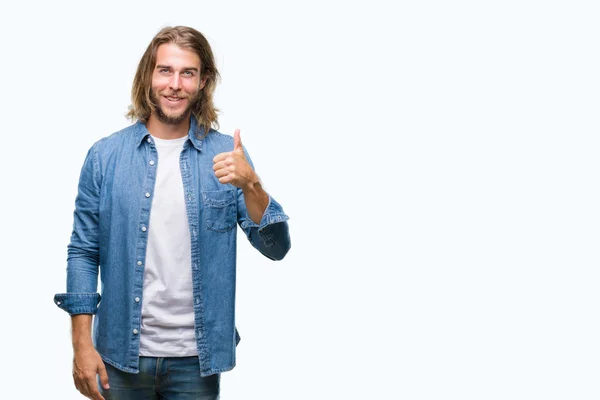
(202, 82)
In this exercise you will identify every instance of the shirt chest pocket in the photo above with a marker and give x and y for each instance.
(220, 208)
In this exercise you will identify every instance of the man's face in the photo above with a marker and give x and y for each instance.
(176, 83)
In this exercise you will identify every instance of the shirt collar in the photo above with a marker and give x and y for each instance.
(194, 134)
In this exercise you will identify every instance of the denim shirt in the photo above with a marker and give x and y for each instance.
(110, 235)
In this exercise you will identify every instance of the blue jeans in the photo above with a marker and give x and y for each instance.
(168, 378)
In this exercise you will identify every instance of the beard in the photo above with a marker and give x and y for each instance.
(176, 118)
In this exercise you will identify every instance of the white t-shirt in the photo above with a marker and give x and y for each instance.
(167, 301)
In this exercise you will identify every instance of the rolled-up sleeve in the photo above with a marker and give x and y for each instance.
(78, 303)
(271, 236)
(83, 252)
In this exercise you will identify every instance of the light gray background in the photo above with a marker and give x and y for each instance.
(438, 160)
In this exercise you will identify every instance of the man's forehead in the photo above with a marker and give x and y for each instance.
(173, 55)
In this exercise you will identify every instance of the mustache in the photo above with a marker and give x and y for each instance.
(180, 95)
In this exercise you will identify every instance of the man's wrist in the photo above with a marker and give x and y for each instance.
(254, 186)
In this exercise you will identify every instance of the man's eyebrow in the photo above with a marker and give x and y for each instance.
(184, 69)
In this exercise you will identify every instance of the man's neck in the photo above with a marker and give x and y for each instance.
(165, 131)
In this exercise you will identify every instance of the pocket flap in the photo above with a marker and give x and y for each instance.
(218, 198)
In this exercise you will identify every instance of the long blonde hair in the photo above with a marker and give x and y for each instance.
(188, 38)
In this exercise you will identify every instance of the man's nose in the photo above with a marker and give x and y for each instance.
(175, 82)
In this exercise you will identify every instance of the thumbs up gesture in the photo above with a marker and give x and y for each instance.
(232, 166)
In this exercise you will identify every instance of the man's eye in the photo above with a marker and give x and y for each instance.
(163, 70)
(187, 73)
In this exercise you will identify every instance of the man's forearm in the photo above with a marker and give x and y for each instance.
(256, 200)
(81, 331)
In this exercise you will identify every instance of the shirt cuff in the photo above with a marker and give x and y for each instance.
(78, 303)
(273, 214)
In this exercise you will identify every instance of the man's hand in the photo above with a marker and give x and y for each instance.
(86, 364)
(232, 166)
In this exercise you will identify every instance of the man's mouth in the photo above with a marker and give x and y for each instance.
(173, 99)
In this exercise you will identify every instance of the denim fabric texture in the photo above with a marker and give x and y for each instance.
(173, 378)
(110, 233)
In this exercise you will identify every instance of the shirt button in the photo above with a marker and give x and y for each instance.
(151, 162)
(139, 263)
(143, 229)
(147, 194)
(135, 331)
(137, 299)
(149, 140)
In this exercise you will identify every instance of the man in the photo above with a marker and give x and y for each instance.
(155, 215)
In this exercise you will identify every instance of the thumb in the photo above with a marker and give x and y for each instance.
(237, 141)
(103, 376)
